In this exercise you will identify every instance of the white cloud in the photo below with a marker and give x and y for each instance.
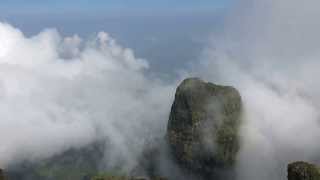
(57, 93)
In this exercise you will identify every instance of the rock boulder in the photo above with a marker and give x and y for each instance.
(203, 126)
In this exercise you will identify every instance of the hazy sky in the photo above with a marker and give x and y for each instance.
(149, 27)
(91, 6)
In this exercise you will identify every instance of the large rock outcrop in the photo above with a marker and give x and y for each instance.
(203, 127)
(303, 171)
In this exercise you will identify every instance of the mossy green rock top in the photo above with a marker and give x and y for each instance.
(303, 171)
(203, 126)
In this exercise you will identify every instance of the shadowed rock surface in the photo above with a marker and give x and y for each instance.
(203, 127)
(303, 171)
(2, 175)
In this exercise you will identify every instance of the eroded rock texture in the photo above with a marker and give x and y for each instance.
(203, 127)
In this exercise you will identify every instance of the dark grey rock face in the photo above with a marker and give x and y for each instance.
(203, 126)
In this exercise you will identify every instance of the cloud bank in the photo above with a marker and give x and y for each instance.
(269, 50)
(57, 93)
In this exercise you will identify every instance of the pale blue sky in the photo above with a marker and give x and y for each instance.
(168, 33)
(92, 6)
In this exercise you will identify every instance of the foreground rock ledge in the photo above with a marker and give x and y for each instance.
(1, 175)
(303, 171)
(126, 178)
(203, 126)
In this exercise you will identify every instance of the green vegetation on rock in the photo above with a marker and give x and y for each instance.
(203, 126)
(303, 171)
(74, 164)
(110, 177)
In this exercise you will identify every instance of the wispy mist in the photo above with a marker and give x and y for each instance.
(269, 50)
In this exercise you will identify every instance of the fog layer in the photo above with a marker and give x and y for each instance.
(269, 50)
